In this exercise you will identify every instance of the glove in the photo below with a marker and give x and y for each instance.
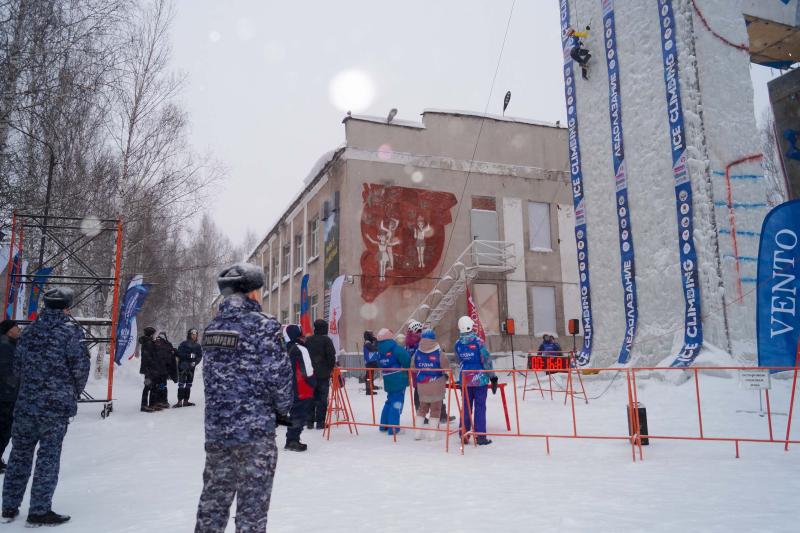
(494, 385)
(282, 419)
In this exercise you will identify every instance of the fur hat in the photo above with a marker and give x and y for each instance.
(385, 334)
(241, 278)
(149, 331)
(58, 298)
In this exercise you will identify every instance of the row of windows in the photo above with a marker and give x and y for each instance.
(543, 301)
(313, 311)
(283, 260)
(485, 225)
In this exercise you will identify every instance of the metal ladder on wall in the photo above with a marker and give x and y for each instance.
(479, 256)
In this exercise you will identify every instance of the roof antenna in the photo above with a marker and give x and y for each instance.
(506, 100)
(392, 113)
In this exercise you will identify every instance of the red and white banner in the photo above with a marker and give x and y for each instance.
(335, 312)
(472, 312)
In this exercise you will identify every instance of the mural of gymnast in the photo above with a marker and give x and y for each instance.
(403, 231)
(384, 253)
(421, 231)
(389, 232)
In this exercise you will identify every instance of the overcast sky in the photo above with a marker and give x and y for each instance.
(269, 82)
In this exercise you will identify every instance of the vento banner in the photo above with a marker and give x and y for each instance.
(778, 323)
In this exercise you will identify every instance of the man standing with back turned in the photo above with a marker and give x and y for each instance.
(53, 365)
(248, 383)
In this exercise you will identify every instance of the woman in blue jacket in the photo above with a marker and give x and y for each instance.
(393, 358)
(473, 356)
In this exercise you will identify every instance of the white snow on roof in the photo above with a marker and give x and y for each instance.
(502, 118)
(323, 160)
(382, 120)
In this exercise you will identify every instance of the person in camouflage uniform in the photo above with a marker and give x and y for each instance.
(53, 365)
(248, 382)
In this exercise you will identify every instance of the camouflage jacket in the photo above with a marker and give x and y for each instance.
(246, 373)
(52, 364)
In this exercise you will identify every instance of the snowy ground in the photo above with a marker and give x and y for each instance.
(142, 472)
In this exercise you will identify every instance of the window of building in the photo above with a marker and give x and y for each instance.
(287, 257)
(313, 238)
(544, 310)
(284, 316)
(314, 307)
(487, 301)
(298, 251)
(275, 263)
(483, 224)
(539, 227)
(296, 308)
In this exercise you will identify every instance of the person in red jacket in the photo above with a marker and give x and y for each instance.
(303, 385)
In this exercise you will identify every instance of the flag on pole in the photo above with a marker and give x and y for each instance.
(305, 307)
(472, 312)
(126, 328)
(39, 279)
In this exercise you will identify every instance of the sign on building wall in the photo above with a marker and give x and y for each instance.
(403, 230)
(331, 240)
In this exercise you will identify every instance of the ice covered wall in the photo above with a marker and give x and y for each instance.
(718, 108)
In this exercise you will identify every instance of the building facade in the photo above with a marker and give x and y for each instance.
(396, 207)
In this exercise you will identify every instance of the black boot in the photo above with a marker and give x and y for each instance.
(9, 515)
(186, 393)
(295, 446)
(47, 519)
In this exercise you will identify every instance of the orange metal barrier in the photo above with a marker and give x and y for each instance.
(340, 410)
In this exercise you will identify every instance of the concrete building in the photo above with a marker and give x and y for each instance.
(395, 211)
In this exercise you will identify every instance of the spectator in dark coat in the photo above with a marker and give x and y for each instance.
(9, 383)
(323, 357)
(147, 353)
(190, 353)
(371, 357)
(165, 367)
(302, 385)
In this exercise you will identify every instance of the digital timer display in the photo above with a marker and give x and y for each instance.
(549, 362)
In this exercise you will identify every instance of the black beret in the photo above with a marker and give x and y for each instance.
(58, 298)
(241, 277)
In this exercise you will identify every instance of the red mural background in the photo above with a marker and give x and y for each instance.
(403, 230)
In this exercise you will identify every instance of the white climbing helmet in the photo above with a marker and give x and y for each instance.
(415, 326)
(465, 324)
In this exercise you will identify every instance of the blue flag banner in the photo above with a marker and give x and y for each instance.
(576, 176)
(626, 251)
(39, 279)
(692, 324)
(126, 327)
(777, 314)
(305, 307)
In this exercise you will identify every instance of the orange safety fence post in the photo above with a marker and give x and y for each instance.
(572, 398)
(351, 419)
(411, 386)
(791, 400)
(769, 414)
(697, 389)
(449, 407)
(574, 363)
(516, 402)
(631, 415)
(636, 417)
(329, 412)
(371, 375)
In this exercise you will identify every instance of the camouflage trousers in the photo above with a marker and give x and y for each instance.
(245, 471)
(27, 431)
